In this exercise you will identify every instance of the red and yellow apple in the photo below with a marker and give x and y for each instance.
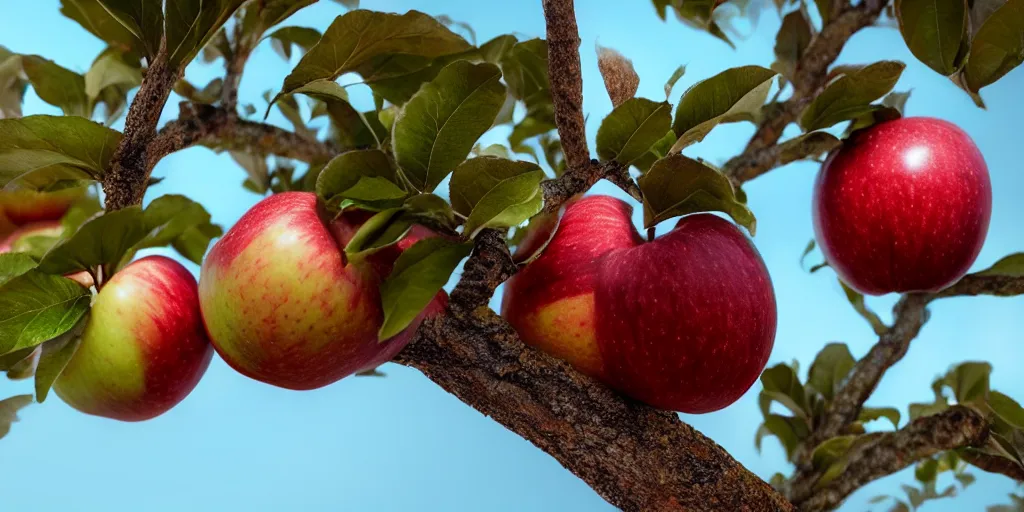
(27, 206)
(144, 347)
(685, 322)
(283, 304)
(903, 206)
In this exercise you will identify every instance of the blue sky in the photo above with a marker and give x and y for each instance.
(401, 443)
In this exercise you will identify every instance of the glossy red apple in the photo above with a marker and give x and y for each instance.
(20, 241)
(685, 322)
(903, 206)
(144, 348)
(284, 306)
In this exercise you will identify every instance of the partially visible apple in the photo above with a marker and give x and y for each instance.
(20, 241)
(283, 304)
(903, 206)
(27, 206)
(685, 322)
(144, 348)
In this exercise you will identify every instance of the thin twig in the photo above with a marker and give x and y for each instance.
(566, 80)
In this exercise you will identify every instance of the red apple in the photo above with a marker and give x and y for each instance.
(283, 304)
(19, 241)
(144, 348)
(903, 206)
(685, 322)
(27, 206)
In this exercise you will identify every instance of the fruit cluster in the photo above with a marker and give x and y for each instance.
(685, 322)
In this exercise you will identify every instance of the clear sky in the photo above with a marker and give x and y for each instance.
(401, 443)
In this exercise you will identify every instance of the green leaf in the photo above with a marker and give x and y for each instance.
(733, 95)
(36, 307)
(857, 301)
(25, 367)
(496, 193)
(91, 15)
(632, 129)
(782, 385)
(365, 176)
(145, 19)
(9, 408)
(166, 219)
(790, 432)
(671, 82)
(525, 69)
(364, 40)
(56, 85)
(1007, 409)
(792, 40)
(382, 230)
(935, 31)
(969, 381)
(808, 145)
(209, 94)
(677, 185)
(850, 95)
(830, 368)
(284, 38)
(868, 414)
(55, 355)
(323, 90)
(110, 69)
(267, 13)
(494, 51)
(47, 149)
(830, 451)
(438, 127)
(419, 273)
(998, 46)
(14, 264)
(926, 470)
(190, 24)
(918, 410)
(1010, 266)
(194, 241)
(102, 241)
(433, 207)
(12, 84)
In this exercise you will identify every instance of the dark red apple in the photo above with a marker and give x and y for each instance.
(144, 348)
(283, 304)
(903, 206)
(685, 322)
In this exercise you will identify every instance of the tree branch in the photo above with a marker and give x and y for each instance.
(761, 153)
(566, 81)
(973, 284)
(957, 427)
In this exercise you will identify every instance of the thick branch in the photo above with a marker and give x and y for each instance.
(566, 80)
(956, 427)
(636, 457)
(126, 181)
(760, 154)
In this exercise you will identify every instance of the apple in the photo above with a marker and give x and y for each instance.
(903, 206)
(21, 241)
(282, 303)
(27, 206)
(144, 347)
(685, 322)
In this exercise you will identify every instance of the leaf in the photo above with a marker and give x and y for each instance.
(438, 127)
(102, 241)
(258, 18)
(209, 94)
(918, 410)
(790, 432)
(632, 129)
(830, 368)
(283, 38)
(355, 39)
(36, 307)
(850, 95)
(366, 176)
(791, 41)
(256, 169)
(323, 90)
(677, 185)
(351, 128)
(145, 19)
(166, 219)
(808, 145)
(9, 408)
(857, 301)
(419, 273)
(935, 31)
(382, 230)
(897, 100)
(12, 84)
(55, 355)
(868, 414)
(926, 470)
(671, 82)
(496, 193)
(24, 367)
(830, 451)
(732, 95)
(781, 384)
(56, 85)
(14, 264)
(92, 16)
(49, 148)
(194, 241)
(1010, 266)
(525, 69)
(190, 24)
(998, 47)
(824, 10)
(494, 51)
(969, 381)
(620, 78)
(433, 207)
(110, 69)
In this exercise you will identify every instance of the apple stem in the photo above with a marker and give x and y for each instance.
(650, 234)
